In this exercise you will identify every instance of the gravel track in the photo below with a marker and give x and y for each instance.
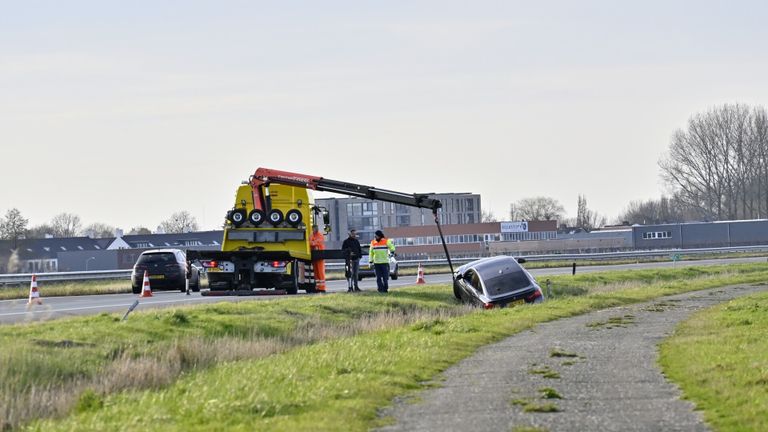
(612, 384)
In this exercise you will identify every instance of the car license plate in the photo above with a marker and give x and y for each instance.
(157, 276)
(213, 269)
(517, 302)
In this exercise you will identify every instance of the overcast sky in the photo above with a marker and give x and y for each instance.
(125, 112)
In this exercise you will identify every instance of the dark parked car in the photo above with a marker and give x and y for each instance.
(496, 282)
(167, 269)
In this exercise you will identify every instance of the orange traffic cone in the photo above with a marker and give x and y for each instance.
(420, 276)
(34, 294)
(146, 291)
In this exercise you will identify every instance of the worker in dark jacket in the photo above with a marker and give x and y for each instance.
(352, 253)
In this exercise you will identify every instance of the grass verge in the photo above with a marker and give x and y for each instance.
(320, 383)
(719, 357)
(124, 286)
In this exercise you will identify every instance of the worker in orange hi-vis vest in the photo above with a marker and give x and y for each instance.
(317, 242)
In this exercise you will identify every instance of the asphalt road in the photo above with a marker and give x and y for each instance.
(17, 311)
(613, 384)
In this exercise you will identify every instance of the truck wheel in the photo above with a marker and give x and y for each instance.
(136, 289)
(256, 217)
(310, 288)
(293, 217)
(275, 217)
(237, 217)
(293, 287)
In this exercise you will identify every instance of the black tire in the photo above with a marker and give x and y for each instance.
(136, 289)
(456, 291)
(237, 217)
(394, 274)
(293, 217)
(276, 217)
(256, 217)
(293, 287)
(359, 278)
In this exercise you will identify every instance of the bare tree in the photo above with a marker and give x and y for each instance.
(65, 225)
(99, 230)
(487, 216)
(139, 230)
(40, 231)
(586, 218)
(179, 222)
(13, 226)
(717, 166)
(536, 208)
(663, 210)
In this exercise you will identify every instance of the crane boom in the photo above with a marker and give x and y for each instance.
(264, 176)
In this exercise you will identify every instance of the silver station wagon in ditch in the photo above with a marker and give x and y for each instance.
(496, 282)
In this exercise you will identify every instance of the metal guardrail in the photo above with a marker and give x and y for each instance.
(125, 274)
(65, 276)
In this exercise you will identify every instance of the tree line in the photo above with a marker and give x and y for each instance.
(716, 168)
(13, 226)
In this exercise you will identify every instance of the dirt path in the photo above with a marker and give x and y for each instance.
(613, 383)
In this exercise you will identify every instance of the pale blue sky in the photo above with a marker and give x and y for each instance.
(124, 112)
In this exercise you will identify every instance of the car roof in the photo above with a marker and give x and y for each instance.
(484, 265)
(154, 251)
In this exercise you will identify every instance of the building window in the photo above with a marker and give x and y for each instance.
(654, 235)
(370, 209)
(404, 220)
(354, 209)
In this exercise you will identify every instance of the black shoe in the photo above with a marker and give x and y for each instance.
(349, 290)
(357, 289)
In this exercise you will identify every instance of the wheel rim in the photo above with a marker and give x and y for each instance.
(294, 217)
(275, 217)
(256, 217)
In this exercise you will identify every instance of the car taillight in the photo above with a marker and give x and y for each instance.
(488, 306)
(536, 294)
(210, 264)
(276, 264)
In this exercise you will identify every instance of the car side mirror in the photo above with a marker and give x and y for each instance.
(521, 260)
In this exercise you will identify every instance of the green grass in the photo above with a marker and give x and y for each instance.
(549, 393)
(719, 357)
(56, 289)
(322, 381)
(50, 289)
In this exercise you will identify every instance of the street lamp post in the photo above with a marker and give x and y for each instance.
(86, 262)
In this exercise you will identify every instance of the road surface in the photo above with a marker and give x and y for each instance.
(17, 311)
(612, 383)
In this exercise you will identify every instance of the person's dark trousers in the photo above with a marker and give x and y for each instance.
(354, 269)
(382, 276)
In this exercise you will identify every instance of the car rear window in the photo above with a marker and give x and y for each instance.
(507, 282)
(503, 276)
(157, 258)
